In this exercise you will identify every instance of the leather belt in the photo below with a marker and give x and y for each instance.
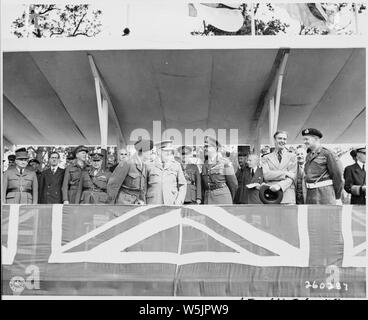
(20, 189)
(319, 184)
(216, 186)
(95, 190)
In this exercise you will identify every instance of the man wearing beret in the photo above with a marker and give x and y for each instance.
(166, 181)
(355, 176)
(218, 176)
(20, 184)
(280, 168)
(93, 182)
(128, 182)
(73, 173)
(192, 176)
(323, 171)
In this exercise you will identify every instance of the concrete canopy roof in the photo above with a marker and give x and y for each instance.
(50, 97)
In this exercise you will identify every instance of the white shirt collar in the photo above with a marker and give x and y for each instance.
(360, 164)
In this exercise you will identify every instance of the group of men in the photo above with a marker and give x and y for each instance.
(311, 175)
(157, 177)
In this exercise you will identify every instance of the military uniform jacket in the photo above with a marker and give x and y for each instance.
(324, 162)
(354, 175)
(219, 182)
(193, 179)
(72, 176)
(92, 188)
(20, 188)
(274, 173)
(166, 184)
(50, 186)
(127, 183)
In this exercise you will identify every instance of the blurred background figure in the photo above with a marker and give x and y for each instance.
(300, 189)
(355, 177)
(35, 166)
(123, 156)
(51, 181)
(11, 161)
(20, 184)
(69, 159)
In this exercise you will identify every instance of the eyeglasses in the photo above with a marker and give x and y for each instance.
(54, 158)
(123, 154)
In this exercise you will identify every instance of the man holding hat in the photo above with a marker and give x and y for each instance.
(279, 169)
(218, 176)
(93, 182)
(73, 173)
(192, 176)
(127, 184)
(166, 181)
(20, 184)
(354, 176)
(323, 170)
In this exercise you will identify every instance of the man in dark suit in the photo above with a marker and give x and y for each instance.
(253, 180)
(354, 176)
(51, 181)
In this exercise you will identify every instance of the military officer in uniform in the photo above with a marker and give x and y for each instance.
(323, 171)
(128, 182)
(192, 176)
(166, 182)
(355, 176)
(218, 176)
(73, 173)
(93, 182)
(20, 184)
(280, 167)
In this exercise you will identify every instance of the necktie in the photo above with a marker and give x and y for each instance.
(279, 155)
(252, 173)
(21, 171)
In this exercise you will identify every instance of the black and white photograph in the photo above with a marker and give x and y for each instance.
(174, 150)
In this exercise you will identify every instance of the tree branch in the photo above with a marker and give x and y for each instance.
(79, 23)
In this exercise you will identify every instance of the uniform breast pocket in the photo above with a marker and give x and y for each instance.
(154, 178)
(132, 180)
(74, 175)
(320, 160)
(28, 182)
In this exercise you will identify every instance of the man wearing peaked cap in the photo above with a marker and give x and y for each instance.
(20, 184)
(323, 171)
(355, 176)
(192, 176)
(218, 175)
(73, 173)
(93, 182)
(166, 182)
(127, 184)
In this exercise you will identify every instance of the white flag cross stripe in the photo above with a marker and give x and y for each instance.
(111, 251)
